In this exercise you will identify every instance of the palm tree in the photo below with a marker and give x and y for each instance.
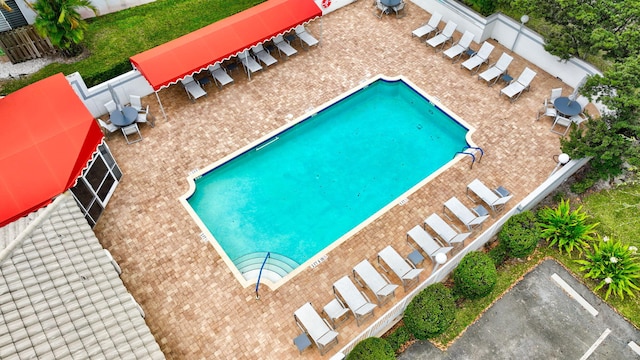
(60, 21)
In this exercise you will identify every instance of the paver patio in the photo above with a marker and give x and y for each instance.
(195, 307)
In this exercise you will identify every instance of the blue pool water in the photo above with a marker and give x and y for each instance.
(298, 194)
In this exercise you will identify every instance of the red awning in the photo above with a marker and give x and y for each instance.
(47, 137)
(166, 64)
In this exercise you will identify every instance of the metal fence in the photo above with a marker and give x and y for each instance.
(24, 44)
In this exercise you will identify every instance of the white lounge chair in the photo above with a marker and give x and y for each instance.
(336, 312)
(441, 38)
(518, 86)
(305, 37)
(403, 269)
(193, 89)
(466, 216)
(249, 63)
(426, 242)
(284, 47)
(376, 282)
(548, 109)
(457, 49)
(444, 230)
(429, 27)
(480, 57)
(348, 294)
(493, 73)
(220, 75)
(496, 199)
(263, 55)
(309, 321)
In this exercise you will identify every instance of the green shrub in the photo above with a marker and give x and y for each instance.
(565, 228)
(616, 266)
(372, 348)
(400, 336)
(581, 186)
(498, 254)
(475, 276)
(431, 312)
(520, 235)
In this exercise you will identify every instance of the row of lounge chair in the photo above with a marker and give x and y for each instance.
(492, 74)
(251, 61)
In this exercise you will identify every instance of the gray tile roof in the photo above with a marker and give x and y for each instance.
(61, 297)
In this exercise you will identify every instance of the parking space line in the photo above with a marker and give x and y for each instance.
(596, 344)
(574, 294)
(634, 347)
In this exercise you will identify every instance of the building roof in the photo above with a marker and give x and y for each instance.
(61, 296)
(47, 138)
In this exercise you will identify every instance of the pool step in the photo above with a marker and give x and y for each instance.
(276, 267)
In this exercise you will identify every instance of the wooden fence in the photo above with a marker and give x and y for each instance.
(24, 44)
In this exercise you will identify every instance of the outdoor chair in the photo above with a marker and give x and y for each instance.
(318, 329)
(582, 117)
(384, 9)
(194, 89)
(441, 38)
(146, 118)
(548, 109)
(130, 130)
(493, 73)
(379, 285)
(348, 294)
(429, 27)
(135, 102)
(249, 64)
(107, 128)
(466, 216)
(263, 55)
(457, 49)
(445, 231)
(305, 37)
(111, 106)
(496, 199)
(403, 269)
(561, 122)
(426, 242)
(517, 87)
(336, 313)
(284, 47)
(479, 58)
(399, 9)
(220, 75)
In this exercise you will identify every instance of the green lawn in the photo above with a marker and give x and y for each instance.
(113, 38)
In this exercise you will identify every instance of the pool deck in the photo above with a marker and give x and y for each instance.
(195, 307)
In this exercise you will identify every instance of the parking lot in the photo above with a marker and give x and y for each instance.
(540, 319)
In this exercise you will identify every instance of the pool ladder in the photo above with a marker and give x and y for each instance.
(471, 151)
(260, 275)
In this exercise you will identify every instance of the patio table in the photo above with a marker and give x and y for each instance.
(566, 106)
(123, 118)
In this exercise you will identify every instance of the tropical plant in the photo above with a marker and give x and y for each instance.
(567, 229)
(615, 264)
(475, 276)
(520, 234)
(431, 312)
(372, 348)
(60, 21)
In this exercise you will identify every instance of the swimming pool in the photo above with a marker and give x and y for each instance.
(302, 189)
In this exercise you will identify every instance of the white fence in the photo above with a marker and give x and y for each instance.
(103, 6)
(393, 315)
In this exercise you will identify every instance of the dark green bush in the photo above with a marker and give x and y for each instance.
(108, 74)
(498, 254)
(400, 336)
(520, 234)
(475, 276)
(581, 186)
(431, 312)
(372, 348)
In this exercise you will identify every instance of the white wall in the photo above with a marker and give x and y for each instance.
(103, 6)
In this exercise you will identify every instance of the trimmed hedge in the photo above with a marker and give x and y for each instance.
(520, 234)
(475, 276)
(372, 348)
(399, 337)
(431, 312)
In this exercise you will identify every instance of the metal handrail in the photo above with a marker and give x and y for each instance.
(260, 275)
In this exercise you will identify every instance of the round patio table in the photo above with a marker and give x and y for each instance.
(123, 118)
(566, 106)
(391, 2)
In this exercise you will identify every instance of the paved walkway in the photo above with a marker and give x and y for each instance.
(195, 307)
(537, 319)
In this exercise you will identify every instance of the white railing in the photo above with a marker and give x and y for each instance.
(393, 315)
